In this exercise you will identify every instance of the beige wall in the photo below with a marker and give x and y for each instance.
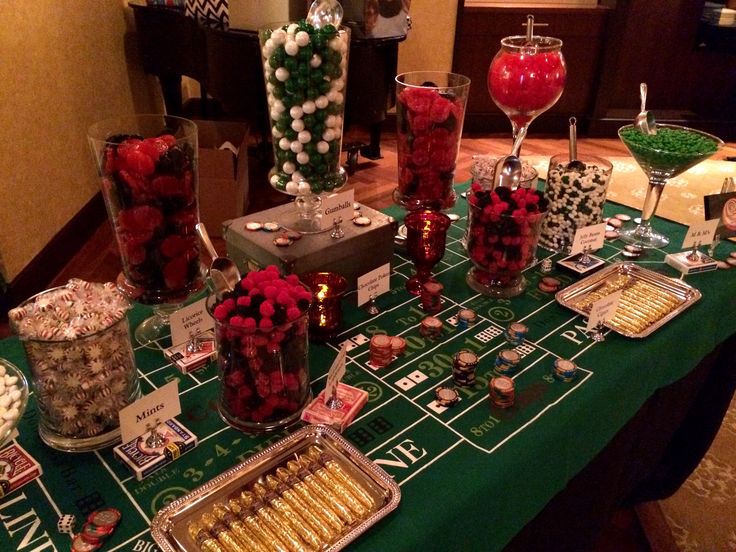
(428, 46)
(62, 67)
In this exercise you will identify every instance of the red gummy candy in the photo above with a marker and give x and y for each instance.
(143, 219)
(175, 273)
(221, 312)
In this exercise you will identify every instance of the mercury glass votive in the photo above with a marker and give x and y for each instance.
(325, 312)
(426, 234)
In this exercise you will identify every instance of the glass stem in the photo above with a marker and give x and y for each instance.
(654, 192)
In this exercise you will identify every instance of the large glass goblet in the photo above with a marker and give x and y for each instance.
(426, 234)
(526, 78)
(673, 150)
(148, 169)
(430, 110)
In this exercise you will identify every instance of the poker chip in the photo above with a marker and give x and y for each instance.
(615, 222)
(380, 350)
(293, 236)
(611, 234)
(446, 396)
(106, 517)
(515, 333)
(732, 254)
(282, 241)
(632, 251)
(453, 216)
(271, 226)
(431, 327)
(431, 296)
(362, 221)
(81, 545)
(623, 217)
(610, 228)
(564, 370)
(501, 391)
(356, 213)
(506, 361)
(466, 318)
(464, 364)
(398, 345)
(253, 226)
(549, 284)
(723, 265)
(731, 261)
(95, 534)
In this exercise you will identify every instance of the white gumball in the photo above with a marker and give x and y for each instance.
(268, 47)
(304, 187)
(284, 143)
(328, 135)
(296, 112)
(332, 95)
(282, 74)
(304, 137)
(279, 106)
(297, 176)
(315, 62)
(302, 158)
(321, 102)
(309, 107)
(331, 121)
(323, 147)
(291, 47)
(334, 44)
(289, 167)
(297, 125)
(274, 114)
(276, 133)
(292, 28)
(278, 37)
(274, 180)
(296, 146)
(302, 38)
(292, 188)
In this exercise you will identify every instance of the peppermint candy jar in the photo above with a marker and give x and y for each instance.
(503, 231)
(261, 332)
(576, 194)
(430, 111)
(77, 342)
(305, 69)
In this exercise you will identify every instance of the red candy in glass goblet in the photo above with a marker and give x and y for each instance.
(526, 78)
(426, 234)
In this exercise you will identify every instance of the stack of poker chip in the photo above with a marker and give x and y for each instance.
(100, 525)
(501, 391)
(506, 361)
(466, 318)
(432, 297)
(564, 370)
(431, 327)
(380, 350)
(446, 396)
(398, 345)
(516, 333)
(464, 364)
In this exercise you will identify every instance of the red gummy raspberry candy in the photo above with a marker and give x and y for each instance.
(143, 219)
(173, 246)
(440, 110)
(243, 301)
(265, 324)
(175, 273)
(293, 313)
(221, 312)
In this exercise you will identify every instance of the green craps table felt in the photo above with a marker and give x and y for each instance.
(472, 473)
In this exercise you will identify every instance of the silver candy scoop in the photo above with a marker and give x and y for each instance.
(574, 164)
(325, 12)
(223, 272)
(645, 119)
(508, 169)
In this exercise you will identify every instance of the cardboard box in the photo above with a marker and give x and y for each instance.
(362, 249)
(223, 173)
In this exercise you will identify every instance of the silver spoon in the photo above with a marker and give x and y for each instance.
(645, 119)
(574, 164)
(325, 12)
(507, 172)
(223, 272)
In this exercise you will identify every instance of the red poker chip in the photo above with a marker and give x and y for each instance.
(106, 517)
(81, 545)
(94, 534)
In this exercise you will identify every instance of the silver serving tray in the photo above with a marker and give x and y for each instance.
(169, 526)
(684, 293)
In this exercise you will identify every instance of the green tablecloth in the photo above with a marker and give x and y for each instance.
(471, 476)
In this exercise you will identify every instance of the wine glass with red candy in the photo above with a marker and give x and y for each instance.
(527, 76)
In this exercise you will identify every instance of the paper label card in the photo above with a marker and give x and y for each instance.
(589, 237)
(603, 309)
(376, 282)
(337, 206)
(139, 417)
(190, 321)
(337, 371)
(701, 233)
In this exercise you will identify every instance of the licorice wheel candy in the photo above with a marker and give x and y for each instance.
(446, 396)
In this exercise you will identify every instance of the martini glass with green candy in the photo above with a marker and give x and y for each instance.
(671, 151)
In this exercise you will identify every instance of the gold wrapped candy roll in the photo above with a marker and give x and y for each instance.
(319, 524)
(220, 531)
(334, 485)
(319, 508)
(275, 521)
(256, 525)
(205, 541)
(241, 532)
(324, 493)
(304, 530)
(336, 470)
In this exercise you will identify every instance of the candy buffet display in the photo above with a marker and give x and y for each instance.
(430, 111)
(77, 342)
(669, 152)
(576, 193)
(261, 331)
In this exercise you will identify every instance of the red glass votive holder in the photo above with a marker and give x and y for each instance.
(325, 312)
